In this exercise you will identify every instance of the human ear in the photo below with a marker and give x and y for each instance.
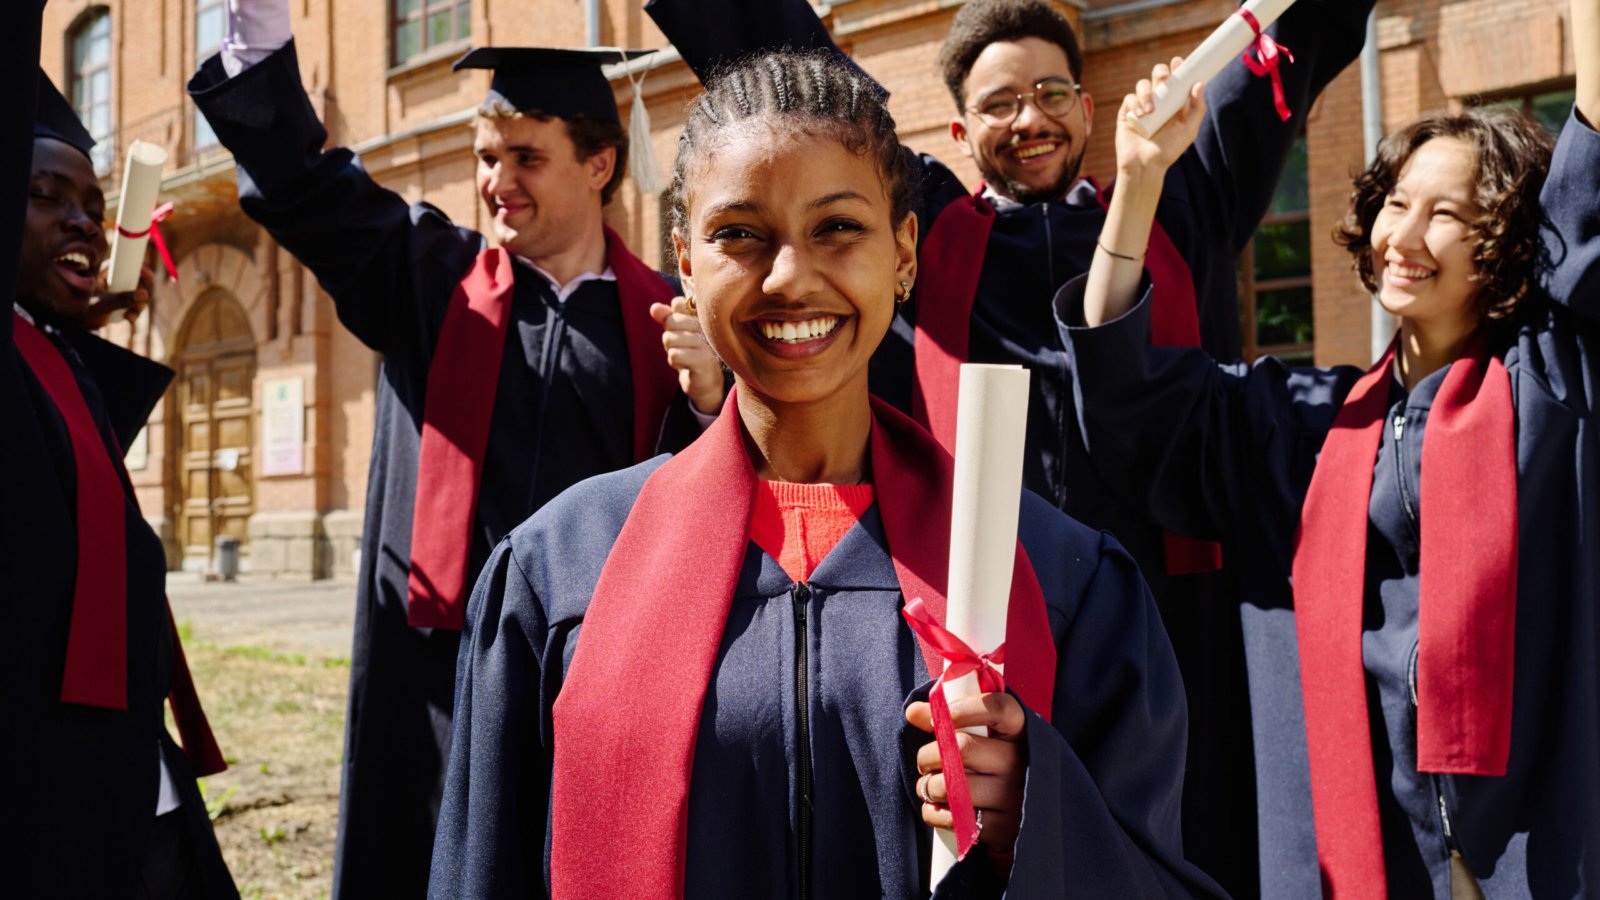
(905, 241)
(958, 133)
(685, 268)
(600, 166)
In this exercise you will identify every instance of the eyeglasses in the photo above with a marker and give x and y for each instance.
(1055, 97)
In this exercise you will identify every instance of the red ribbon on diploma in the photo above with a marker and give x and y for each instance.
(1266, 60)
(960, 660)
(154, 231)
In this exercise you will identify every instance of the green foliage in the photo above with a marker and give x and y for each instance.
(273, 835)
(215, 805)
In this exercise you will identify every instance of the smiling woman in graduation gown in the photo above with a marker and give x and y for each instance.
(1424, 693)
(686, 679)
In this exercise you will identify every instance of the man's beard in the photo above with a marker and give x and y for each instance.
(1021, 193)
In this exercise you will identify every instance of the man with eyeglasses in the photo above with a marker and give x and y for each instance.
(991, 261)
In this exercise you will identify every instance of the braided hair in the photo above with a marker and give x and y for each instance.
(813, 91)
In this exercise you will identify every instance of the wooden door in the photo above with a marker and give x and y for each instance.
(216, 472)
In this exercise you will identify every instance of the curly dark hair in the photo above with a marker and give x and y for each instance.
(1512, 160)
(811, 90)
(983, 22)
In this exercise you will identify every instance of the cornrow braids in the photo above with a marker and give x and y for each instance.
(813, 90)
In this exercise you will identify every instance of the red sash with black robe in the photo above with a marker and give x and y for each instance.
(97, 637)
(1466, 616)
(460, 404)
(651, 633)
(951, 263)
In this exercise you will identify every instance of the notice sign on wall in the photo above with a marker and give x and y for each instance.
(283, 426)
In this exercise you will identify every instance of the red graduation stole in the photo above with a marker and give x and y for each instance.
(460, 404)
(97, 638)
(97, 642)
(952, 261)
(1467, 607)
(651, 633)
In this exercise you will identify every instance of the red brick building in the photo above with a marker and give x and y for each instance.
(265, 433)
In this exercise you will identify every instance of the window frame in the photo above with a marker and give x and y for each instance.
(202, 137)
(104, 154)
(1250, 287)
(426, 49)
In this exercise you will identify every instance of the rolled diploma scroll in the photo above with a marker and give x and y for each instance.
(991, 428)
(141, 185)
(1224, 45)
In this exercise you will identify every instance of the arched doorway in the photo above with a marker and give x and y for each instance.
(216, 364)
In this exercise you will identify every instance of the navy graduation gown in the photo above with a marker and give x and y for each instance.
(562, 412)
(1101, 798)
(1229, 450)
(79, 783)
(1213, 199)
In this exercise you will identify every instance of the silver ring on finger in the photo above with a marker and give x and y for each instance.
(922, 788)
(978, 832)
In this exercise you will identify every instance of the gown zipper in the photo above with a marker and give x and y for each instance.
(1435, 780)
(801, 598)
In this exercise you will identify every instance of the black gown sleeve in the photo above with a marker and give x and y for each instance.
(714, 33)
(1571, 200)
(364, 243)
(1231, 172)
(1198, 444)
(1101, 800)
(19, 48)
(492, 822)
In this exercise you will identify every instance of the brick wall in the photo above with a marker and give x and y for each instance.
(406, 122)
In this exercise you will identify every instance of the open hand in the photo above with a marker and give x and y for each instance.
(996, 766)
(699, 370)
(1147, 157)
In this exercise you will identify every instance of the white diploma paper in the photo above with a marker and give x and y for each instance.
(141, 184)
(991, 428)
(1224, 45)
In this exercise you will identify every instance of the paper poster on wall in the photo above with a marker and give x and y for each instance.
(283, 426)
(138, 453)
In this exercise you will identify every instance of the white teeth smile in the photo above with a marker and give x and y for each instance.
(1039, 150)
(798, 332)
(76, 260)
(1410, 273)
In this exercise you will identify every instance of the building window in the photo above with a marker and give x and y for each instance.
(90, 43)
(421, 27)
(1275, 272)
(210, 26)
(1549, 108)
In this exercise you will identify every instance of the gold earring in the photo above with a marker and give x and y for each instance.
(905, 292)
(688, 304)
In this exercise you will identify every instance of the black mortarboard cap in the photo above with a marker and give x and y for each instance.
(56, 118)
(556, 82)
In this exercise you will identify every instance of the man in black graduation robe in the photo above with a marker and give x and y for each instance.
(561, 408)
(83, 784)
(1041, 239)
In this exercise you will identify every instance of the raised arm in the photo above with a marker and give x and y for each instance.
(19, 55)
(1230, 175)
(361, 240)
(1571, 195)
(710, 33)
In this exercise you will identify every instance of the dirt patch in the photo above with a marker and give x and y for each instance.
(279, 718)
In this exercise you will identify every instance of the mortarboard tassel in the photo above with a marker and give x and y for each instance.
(641, 153)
